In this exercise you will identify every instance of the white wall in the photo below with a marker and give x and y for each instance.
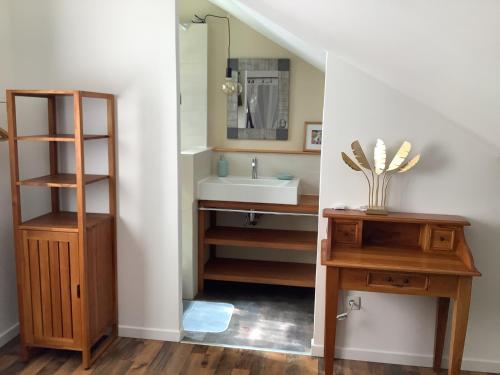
(126, 48)
(193, 70)
(195, 165)
(458, 174)
(8, 302)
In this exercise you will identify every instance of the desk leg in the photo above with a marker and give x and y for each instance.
(331, 302)
(459, 324)
(443, 305)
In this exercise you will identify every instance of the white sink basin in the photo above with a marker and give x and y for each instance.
(246, 189)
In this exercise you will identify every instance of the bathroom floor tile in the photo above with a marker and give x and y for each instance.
(265, 317)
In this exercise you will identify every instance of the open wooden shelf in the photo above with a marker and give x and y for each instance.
(264, 151)
(66, 180)
(261, 272)
(64, 221)
(262, 238)
(52, 93)
(59, 137)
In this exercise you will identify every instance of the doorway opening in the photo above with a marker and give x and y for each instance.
(248, 255)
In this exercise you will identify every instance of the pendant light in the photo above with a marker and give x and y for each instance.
(230, 86)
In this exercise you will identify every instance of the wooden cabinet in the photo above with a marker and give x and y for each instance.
(66, 261)
(51, 283)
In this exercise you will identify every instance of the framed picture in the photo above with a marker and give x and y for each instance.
(313, 136)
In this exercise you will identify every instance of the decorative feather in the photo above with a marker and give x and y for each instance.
(406, 167)
(360, 155)
(350, 162)
(400, 156)
(379, 156)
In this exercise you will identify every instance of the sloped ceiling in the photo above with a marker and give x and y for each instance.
(445, 54)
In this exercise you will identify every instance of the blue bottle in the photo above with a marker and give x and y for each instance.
(222, 167)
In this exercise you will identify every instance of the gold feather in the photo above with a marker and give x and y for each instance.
(400, 156)
(350, 162)
(406, 167)
(379, 156)
(360, 155)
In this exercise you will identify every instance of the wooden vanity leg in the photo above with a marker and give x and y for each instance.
(331, 302)
(443, 305)
(459, 324)
(202, 217)
(213, 223)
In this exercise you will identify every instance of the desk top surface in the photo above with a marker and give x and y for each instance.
(396, 259)
(400, 217)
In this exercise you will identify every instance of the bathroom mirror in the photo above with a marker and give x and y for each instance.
(260, 111)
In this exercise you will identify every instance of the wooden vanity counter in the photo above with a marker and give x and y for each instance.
(308, 204)
(211, 235)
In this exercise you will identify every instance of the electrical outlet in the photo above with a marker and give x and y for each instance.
(355, 303)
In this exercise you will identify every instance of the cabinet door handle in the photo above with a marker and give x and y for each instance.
(78, 291)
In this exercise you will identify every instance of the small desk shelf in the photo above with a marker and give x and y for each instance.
(415, 254)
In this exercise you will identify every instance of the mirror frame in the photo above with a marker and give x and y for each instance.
(282, 67)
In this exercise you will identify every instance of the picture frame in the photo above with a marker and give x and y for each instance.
(313, 136)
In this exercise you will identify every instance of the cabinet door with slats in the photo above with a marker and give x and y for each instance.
(51, 282)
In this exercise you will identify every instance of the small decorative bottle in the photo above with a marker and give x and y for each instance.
(222, 167)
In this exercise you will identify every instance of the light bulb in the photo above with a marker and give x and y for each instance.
(230, 87)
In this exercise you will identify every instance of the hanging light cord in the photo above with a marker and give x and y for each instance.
(199, 19)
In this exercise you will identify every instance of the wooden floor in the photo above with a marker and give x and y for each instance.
(134, 356)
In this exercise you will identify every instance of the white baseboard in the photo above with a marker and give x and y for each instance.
(9, 334)
(409, 359)
(150, 333)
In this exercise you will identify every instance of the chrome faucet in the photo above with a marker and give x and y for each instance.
(254, 168)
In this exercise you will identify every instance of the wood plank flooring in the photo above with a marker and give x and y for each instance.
(134, 356)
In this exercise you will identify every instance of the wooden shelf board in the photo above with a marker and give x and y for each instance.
(59, 137)
(396, 217)
(50, 93)
(262, 238)
(62, 221)
(308, 204)
(396, 259)
(261, 272)
(61, 180)
(264, 151)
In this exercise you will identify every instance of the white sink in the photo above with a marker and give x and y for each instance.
(246, 189)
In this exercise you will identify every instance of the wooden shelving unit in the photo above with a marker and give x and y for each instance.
(65, 261)
(252, 271)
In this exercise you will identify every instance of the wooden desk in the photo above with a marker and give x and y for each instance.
(416, 254)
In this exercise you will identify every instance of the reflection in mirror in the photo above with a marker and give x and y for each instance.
(261, 110)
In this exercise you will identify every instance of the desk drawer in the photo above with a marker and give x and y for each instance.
(440, 238)
(397, 280)
(418, 284)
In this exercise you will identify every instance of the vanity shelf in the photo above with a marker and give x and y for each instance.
(266, 238)
(255, 271)
(261, 272)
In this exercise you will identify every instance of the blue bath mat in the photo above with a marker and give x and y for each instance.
(201, 316)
